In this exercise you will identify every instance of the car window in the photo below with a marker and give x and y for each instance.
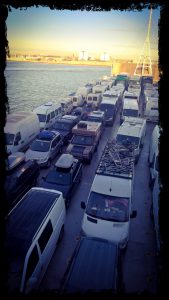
(54, 143)
(45, 236)
(48, 118)
(58, 139)
(32, 262)
(52, 114)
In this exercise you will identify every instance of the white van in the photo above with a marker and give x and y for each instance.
(133, 130)
(94, 99)
(99, 88)
(130, 109)
(78, 100)
(151, 110)
(132, 95)
(34, 228)
(153, 155)
(20, 129)
(48, 114)
(109, 206)
(84, 90)
(66, 105)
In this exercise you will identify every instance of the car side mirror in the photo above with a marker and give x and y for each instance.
(133, 214)
(83, 205)
(141, 145)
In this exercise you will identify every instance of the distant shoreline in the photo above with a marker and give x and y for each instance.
(71, 63)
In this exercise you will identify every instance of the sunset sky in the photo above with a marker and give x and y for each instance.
(121, 34)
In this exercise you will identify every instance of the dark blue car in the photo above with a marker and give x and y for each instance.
(65, 177)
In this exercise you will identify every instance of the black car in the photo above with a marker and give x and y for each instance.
(65, 177)
(64, 126)
(21, 175)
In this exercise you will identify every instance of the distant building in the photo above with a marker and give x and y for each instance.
(104, 57)
(83, 55)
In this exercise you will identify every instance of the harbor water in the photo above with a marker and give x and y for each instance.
(32, 84)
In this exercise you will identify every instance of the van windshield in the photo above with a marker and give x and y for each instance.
(9, 137)
(108, 208)
(124, 139)
(107, 108)
(130, 112)
(41, 146)
(42, 118)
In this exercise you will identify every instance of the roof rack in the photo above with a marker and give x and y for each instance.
(116, 160)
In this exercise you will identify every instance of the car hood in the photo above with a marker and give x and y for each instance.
(36, 155)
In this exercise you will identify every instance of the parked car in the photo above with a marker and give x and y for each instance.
(65, 177)
(20, 177)
(45, 147)
(95, 266)
(79, 112)
(64, 125)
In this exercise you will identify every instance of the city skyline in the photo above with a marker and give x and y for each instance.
(120, 34)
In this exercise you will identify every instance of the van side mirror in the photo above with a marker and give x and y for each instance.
(133, 214)
(83, 205)
(16, 143)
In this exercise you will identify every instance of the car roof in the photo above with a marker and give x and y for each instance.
(47, 135)
(65, 161)
(93, 267)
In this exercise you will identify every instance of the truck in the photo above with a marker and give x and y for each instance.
(109, 205)
(132, 130)
(20, 129)
(85, 140)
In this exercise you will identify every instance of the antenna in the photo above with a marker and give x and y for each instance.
(144, 64)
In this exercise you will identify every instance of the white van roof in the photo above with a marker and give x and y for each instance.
(130, 104)
(27, 217)
(130, 129)
(15, 120)
(43, 108)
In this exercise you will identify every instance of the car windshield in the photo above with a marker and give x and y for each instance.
(127, 139)
(42, 118)
(94, 119)
(130, 97)
(9, 137)
(108, 207)
(82, 140)
(41, 146)
(62, 126)
(130, 112)
(61, 177)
